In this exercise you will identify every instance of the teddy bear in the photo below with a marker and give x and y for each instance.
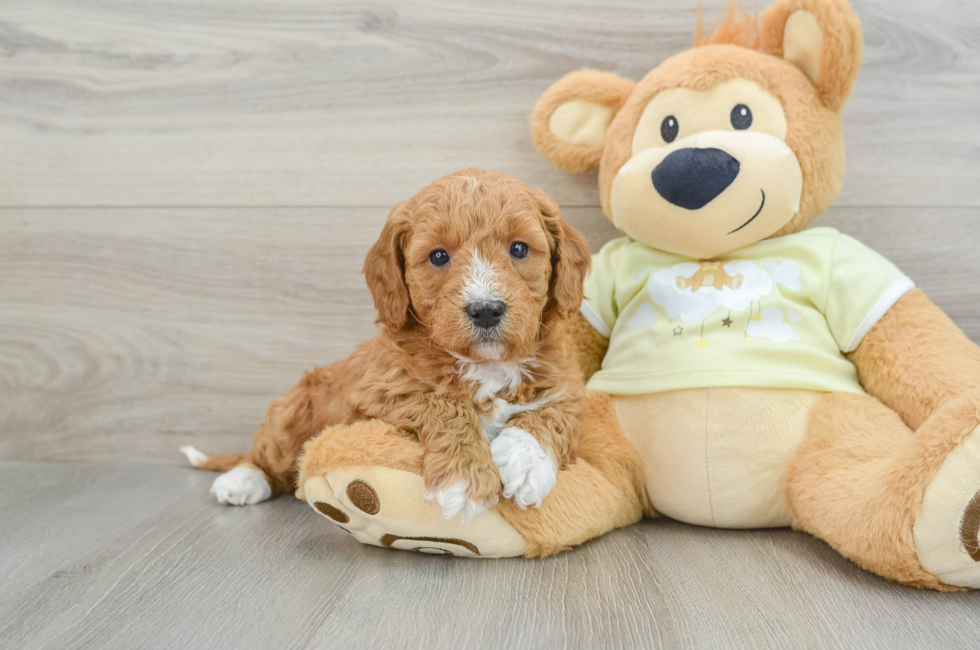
(824, 392)
(744, 371)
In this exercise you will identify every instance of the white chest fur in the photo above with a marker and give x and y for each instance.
(493, 378)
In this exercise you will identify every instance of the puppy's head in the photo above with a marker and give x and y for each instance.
(477, 260)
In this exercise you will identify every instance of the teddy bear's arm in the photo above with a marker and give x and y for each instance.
(915, 359)
(590, 345)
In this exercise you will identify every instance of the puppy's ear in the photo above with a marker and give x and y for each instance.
(820, 37)
(384, 269)
(570, 120)
(570, 259)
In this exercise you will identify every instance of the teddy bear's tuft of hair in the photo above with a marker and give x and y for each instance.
(736, 27)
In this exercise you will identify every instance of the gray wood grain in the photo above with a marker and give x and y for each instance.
(85, 564)
(247, 102)
(126, 333)
(161, 281)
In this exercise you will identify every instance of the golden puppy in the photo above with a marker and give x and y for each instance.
(471, 279)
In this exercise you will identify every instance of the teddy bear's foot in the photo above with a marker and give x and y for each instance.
(366, 478)
(948, 525)
(388, 508)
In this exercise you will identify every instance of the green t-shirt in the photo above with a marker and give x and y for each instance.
(777, 314)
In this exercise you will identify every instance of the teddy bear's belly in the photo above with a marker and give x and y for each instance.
(716, 456)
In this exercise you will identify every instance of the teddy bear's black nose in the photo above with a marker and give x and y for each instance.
(692, 178)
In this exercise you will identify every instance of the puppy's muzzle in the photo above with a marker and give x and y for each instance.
(485, 315)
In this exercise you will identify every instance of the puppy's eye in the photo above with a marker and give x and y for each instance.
(741, 117)
(668, 128)
(519, 250)
(439, 257)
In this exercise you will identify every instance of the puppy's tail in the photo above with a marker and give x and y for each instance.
(212, 462)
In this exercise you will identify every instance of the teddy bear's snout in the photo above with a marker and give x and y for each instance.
(691, 178)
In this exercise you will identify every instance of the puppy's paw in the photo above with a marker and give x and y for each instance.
(455, 499)
(241, 486)
(527, 471)
(465, 484)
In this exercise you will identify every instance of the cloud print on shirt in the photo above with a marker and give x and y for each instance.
(695, 306)
(785, 273)
(644, 316)
(772, 327)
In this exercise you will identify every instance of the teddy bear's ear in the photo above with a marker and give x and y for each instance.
(570, 120)
(820, 37)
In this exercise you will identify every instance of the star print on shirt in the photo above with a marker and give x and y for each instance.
(678, 330)
(727, 322)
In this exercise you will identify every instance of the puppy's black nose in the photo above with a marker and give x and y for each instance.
(692, 178)
(486, 314)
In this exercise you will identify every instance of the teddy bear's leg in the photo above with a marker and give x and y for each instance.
(604, 488)
(366, 478)
(901, 503)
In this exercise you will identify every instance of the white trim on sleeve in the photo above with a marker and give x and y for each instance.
(881, 307)
(596, 321)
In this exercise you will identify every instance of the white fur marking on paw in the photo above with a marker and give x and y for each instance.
(195, 456)
(453, 501)
(241, 486)
(527, 471)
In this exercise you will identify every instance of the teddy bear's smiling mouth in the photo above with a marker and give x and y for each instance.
(757, 212)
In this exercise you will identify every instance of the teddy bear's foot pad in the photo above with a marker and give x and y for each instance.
(948, 526)
(387, 507)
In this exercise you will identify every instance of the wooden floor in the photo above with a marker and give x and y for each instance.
(187, 191)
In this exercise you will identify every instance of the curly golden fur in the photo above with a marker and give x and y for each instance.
(420, 374)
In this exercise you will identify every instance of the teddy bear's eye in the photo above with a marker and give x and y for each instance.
(668, 128)
(741, 117)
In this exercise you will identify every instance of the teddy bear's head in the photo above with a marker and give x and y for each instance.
(734, 141)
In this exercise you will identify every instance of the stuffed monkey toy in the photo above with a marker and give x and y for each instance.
(768, 374)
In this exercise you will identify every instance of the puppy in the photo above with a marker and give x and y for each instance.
(471, 279)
